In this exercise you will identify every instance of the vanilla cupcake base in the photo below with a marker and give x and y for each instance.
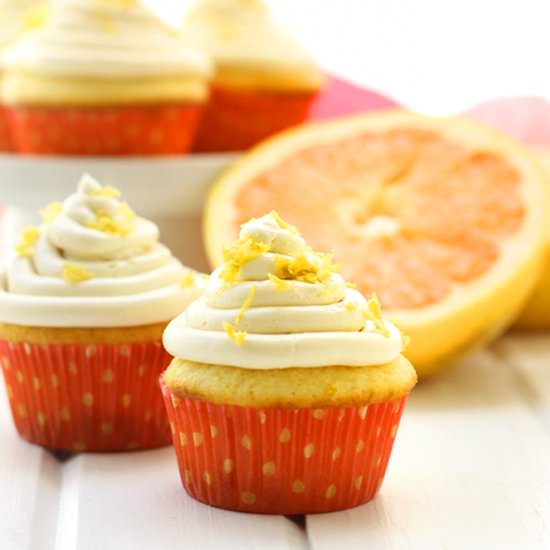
(86, 389)
(291, 441)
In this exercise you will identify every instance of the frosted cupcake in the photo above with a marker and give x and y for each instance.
(13, 14)
(104, 77)
(264, 79)
(83, 304)
(287, 386)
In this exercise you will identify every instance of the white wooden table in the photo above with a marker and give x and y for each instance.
(470, 469)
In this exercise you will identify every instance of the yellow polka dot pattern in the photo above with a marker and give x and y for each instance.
(287, 461)
(87, 397)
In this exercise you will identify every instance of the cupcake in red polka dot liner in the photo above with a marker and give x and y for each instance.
(84, 301)
(104, 77)
(287, 385)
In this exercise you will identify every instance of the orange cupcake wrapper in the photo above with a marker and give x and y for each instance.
(282, 461)
(237, 120)
(79, 397)
(148, 130)
(6, 142)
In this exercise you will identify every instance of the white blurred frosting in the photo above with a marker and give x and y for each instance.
(241, 33)
(12, 20)
(94, 264)
(106, 38)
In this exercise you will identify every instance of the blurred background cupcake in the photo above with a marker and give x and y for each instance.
(264, 79)
(15, 17)
(104, 78)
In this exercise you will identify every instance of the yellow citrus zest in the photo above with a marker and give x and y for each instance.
(246, 304)
(373, 312)
(282, 224)
(25, 246)
(120, 225)
(36, 17)
(406, 340)
(280, 285)
(205, 276)
(309, 267)
(107, 191)
(75, 274)
(352, 306)
(188, 280)
(50, 212)
(239, 253)
(237, 336)
(351, 285)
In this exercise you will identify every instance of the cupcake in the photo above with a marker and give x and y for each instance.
(13, 14)
(264, 80)
(287, 386)
(83, 304)
(104, 77)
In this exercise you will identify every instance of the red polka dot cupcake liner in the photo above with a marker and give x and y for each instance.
(6, 143)
(237, 120)
(151, 130)
(78, 397)
(282, 461)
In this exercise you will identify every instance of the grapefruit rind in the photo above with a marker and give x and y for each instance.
(536, 314)
(473, 313)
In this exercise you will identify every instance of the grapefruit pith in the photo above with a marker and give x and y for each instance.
(443, 218)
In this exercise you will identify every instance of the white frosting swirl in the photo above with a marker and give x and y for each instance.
(12, 19)
(94, 264)
(277, 304)
(106, 38)
(240, 33)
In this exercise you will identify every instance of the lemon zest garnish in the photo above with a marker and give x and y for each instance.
(50, 212)
(107, 191)
(75, 274)
(352, 306)
(308, 267)
(188, 280)
(246, 304)
(237, 336)
(238, 254)
(373, 312)
(106, 223)
(205, 276)
(282, 224)
(25, 246)
(406, 340)
(280, 284)
(36, 17)
(351, 285)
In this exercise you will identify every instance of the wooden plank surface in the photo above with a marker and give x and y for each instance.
(135, 500)
(29, 486)
(470, 470)
(529, 356)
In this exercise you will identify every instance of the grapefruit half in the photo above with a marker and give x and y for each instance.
(442, 218)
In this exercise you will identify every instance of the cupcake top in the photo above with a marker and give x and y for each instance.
(93, 263)
(106, 39)
(275, 303)
(247, 47)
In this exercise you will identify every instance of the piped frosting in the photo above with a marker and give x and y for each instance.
(276, 303)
